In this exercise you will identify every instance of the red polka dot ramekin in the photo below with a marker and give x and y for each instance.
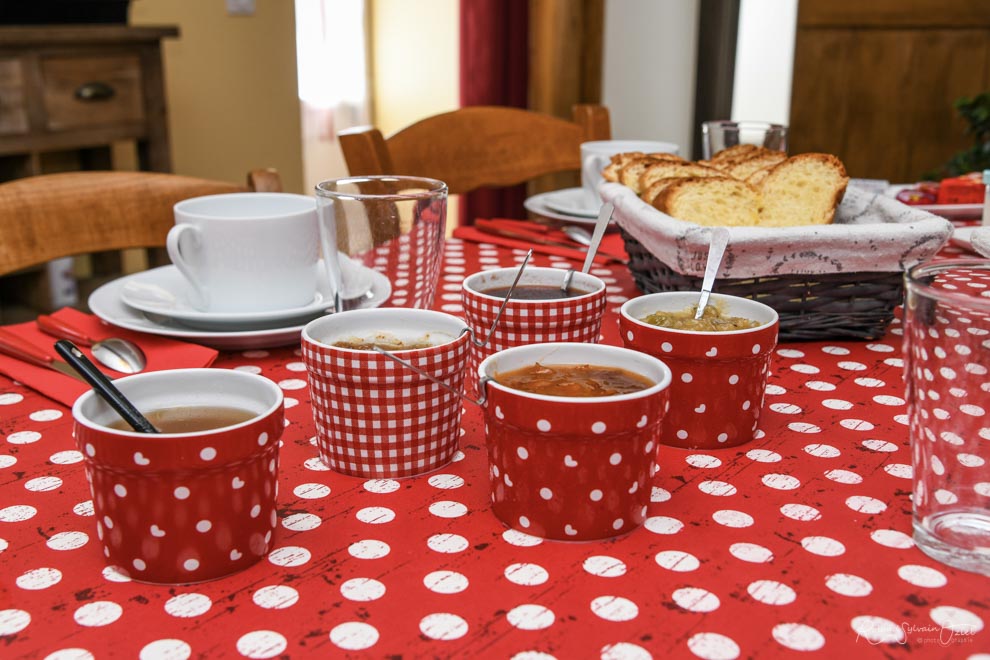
(572, 468)
(719, 377)
(577, 319)
(374, 417)
(176, 508)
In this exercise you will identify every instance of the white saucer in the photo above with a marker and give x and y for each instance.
(106, 303)
(165, 291)
(537, 205)
(571, 201)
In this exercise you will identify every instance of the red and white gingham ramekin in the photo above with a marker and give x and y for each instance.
(374, 417)
(577, 319)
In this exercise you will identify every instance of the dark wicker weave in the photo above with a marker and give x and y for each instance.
(811, 307)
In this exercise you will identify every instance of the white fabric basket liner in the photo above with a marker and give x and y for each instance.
(871, 233)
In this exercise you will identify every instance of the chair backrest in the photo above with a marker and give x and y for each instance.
(478, 146)
(59, 215)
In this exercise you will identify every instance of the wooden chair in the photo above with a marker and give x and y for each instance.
(59, 215)
(478, 146)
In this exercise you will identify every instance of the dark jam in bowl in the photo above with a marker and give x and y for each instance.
(535, 292)
(577, 380)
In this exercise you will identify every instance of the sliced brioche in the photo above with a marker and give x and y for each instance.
(657, 187)
(733, 153)
(762, 159)
(803, 190)
(618, 161)
(632, 170)
(712, 201)
(672, 170)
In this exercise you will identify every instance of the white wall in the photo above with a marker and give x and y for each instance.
(650, 57)
(764, 61)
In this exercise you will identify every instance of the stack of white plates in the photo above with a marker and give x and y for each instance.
(568, 205)
(157, 302)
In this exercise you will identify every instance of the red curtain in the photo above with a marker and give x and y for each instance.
(494, 56)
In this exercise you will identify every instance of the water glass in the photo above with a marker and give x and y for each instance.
(392, 224)
(946, 339)
(719, 135)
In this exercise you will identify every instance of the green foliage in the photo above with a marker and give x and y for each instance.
(976, 111)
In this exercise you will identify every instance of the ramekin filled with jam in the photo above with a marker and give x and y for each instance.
(720, 362)
(572, 433)
(539, 311)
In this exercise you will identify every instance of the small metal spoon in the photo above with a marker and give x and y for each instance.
(720, 239)
(604, 217)
(117, 354)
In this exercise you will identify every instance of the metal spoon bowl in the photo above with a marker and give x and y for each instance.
(118, 354)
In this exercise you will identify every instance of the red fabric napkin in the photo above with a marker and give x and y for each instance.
(524, 235)
(162, 353)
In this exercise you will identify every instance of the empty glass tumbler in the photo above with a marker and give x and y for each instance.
(946, 343)
(392, 225)
(719, 135)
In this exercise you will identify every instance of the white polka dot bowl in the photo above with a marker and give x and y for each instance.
(572, 468)
(374, 417)
(577, 319)
(178, 508)
(719, 377)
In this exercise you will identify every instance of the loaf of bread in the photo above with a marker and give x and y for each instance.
(743, 185)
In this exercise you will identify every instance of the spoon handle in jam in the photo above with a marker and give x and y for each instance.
(720, 239)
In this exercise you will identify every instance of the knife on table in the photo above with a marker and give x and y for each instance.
(15, 347)
(538, 238)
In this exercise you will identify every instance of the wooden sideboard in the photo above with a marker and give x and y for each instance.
(68, 95)
(71, 88)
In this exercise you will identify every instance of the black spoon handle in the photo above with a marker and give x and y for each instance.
(103, 386)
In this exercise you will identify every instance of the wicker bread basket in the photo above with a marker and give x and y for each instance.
(826, 282)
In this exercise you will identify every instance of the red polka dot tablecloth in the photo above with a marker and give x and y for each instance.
(795, 545)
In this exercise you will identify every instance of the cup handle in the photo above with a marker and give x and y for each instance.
(200, 299)
(591, 175)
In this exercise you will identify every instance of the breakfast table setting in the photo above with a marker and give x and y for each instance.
(773, 518)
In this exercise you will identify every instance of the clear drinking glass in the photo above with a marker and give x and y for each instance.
(719, 135)
(946, 343)
(391, 224)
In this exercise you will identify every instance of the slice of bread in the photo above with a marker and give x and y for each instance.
(712, 201)
(657, 187)
(762, 159)
(803, 190)
(632, 170)
(618, 161)
(671, 169)
(733, 153)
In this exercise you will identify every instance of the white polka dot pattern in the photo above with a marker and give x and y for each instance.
(725, 565)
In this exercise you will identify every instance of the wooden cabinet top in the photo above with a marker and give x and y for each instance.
(44, 35)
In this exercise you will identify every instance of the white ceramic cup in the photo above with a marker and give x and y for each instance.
(247, 252)
(596, 155)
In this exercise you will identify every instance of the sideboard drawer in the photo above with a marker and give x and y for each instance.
(82, 92)
(13, 108)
